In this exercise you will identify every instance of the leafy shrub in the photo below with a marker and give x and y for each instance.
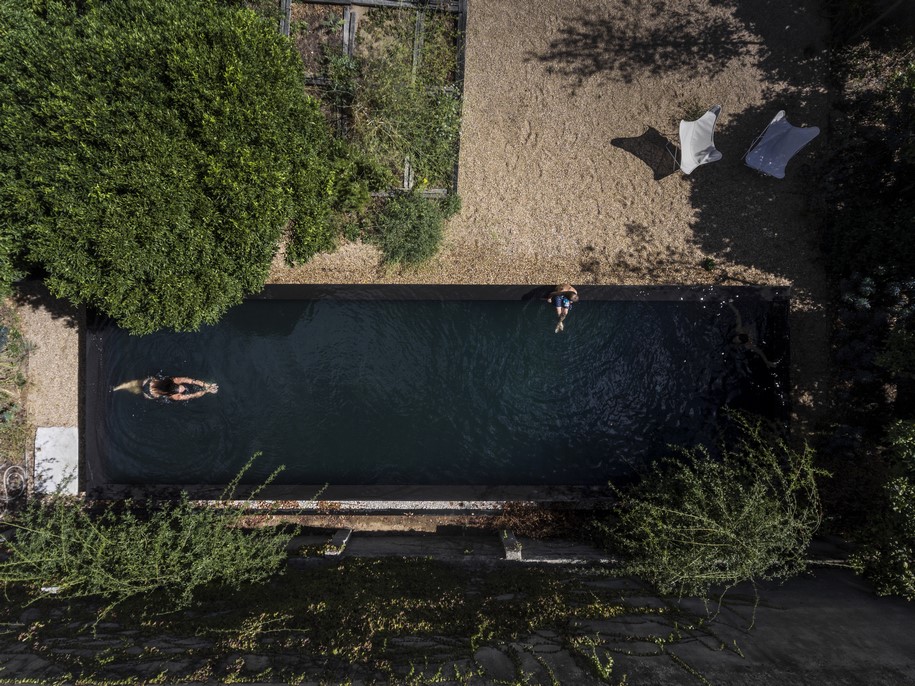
(451, 205)
(61, 548)
(873, 210)
(697, 520)
(901, 437)
(898, 356)
(889, 559)
(409, 228)
(152, 152)
(396, 111)
(887, 556)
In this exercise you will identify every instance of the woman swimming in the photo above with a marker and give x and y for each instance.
(166, 388)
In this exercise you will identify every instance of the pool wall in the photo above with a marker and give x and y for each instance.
(399, 497)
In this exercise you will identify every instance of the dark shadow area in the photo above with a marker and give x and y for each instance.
(35, 294)
(539, 293)
(738, 210)
(631, 39)
(628, 40)
(652, 148)
(773, 225)
(823, 629)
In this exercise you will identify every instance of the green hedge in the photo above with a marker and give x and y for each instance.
(151, 153)
(410, 227)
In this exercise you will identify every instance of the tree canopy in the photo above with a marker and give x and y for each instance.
(151, 152)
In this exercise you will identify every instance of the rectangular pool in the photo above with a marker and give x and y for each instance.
(439, 392)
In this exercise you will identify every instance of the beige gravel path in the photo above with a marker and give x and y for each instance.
(51, 325)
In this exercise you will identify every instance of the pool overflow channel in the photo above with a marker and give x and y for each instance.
(367, 379)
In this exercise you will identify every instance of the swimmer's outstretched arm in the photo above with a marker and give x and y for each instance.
(184, 379)
(187, 396)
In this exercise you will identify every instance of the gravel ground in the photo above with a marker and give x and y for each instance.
(564, 176)
(52, 326)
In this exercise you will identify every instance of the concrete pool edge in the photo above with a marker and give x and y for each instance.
(356, 498)
(515, 292)
(380, 497)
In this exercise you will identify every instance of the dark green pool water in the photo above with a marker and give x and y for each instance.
(428, 392)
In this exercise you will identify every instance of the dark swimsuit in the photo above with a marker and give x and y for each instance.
(561, 301)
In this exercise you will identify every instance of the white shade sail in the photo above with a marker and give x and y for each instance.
(697, 141)
(777, 145)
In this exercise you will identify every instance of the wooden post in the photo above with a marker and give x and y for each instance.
(417, 42)
(285, 16)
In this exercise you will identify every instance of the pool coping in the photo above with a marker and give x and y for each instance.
(514, 292)
(389, 497)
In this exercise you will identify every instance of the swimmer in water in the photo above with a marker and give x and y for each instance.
(173, 388)
(562, 299)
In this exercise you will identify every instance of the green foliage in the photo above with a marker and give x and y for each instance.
(62, 548)
(451, 205)
(898, 357)
(887, 553)
(697, 520)
(323, 212)
(14, 427)
(871, 229)
(691, 110)
(868, 187)
(152, 152)
(397, 111)
(901, 437)
(887, 559)
(409, 227)
(383, 621)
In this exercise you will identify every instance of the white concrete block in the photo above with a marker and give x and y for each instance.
(57, 459)
(510, 544)
(338, 542)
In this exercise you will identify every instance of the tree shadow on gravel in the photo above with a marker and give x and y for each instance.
(630, 39)
(35, 294)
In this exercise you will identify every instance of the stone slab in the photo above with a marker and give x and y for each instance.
(57, 459)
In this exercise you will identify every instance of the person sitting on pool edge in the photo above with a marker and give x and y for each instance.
(562, 299)
(168, 387)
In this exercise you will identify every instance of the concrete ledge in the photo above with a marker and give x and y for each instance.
(57, 460)
(338, 542)
(510, 545)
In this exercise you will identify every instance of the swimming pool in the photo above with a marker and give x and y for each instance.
(455, 391)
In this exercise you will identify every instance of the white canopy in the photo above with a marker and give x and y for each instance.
(777, 145)
(697, 141)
